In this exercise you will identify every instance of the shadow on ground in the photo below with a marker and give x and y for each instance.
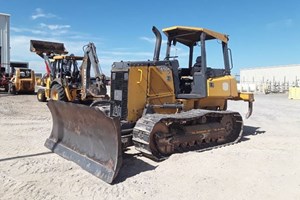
(25, 156)
(132, 165)
(249, 131)
(5, 94)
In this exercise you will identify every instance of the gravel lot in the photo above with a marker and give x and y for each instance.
(264, 165)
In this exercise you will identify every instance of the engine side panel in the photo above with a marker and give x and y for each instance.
(119, 91)
(225, 86)
(137, 92)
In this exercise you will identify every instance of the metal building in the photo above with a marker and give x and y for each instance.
(270, 79)
(5, 41)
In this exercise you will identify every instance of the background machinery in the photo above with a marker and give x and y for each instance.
(64, 80)
(4, 79)
(158, 106)
(22, 81)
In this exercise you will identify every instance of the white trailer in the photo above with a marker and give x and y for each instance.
(270, 79)
(5, 42)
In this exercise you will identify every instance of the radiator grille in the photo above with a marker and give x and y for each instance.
(119, 94)
(26, 85)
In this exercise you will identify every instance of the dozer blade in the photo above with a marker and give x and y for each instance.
(40, 47)
(86, 136)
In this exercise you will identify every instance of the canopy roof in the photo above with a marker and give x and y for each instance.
(190, 35)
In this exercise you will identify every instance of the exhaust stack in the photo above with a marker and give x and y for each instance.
(157, 44)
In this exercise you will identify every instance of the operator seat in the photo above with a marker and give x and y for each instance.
(197, 66)
(198, 85)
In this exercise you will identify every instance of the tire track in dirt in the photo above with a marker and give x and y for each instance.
(26, 123)
(26, 189)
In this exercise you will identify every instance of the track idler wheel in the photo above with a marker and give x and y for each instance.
(160, 140)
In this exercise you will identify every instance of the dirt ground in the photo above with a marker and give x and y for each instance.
(264, 165)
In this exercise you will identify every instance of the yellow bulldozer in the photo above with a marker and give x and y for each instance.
(157, 105)
(22, 81)
(64, 79)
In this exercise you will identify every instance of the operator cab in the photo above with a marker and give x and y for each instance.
(65, 66)
(25, 73)
(191, 81)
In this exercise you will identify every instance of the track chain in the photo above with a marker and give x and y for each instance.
(144, 126)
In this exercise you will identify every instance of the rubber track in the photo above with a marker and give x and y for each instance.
(144, 126)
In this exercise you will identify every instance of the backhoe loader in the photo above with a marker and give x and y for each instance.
(63, 80)
(158, 106)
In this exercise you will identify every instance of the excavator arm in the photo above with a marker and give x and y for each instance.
(98, 88)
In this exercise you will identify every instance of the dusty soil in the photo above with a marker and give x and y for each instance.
(264, 165)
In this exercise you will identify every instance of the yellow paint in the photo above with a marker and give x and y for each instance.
(225, 86)
(245, 96)
(294, 93)
(61, 57)
(47, 89)
(38, 81)
(211, 102)
(20, 82)
(68, 93)
(214, 34)
(39, 96)
(154, 85)
(141, 76)
(149, 85)
(137, 92)
(54, 95)
(160, 83)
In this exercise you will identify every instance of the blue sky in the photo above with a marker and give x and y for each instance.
(262, 33)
